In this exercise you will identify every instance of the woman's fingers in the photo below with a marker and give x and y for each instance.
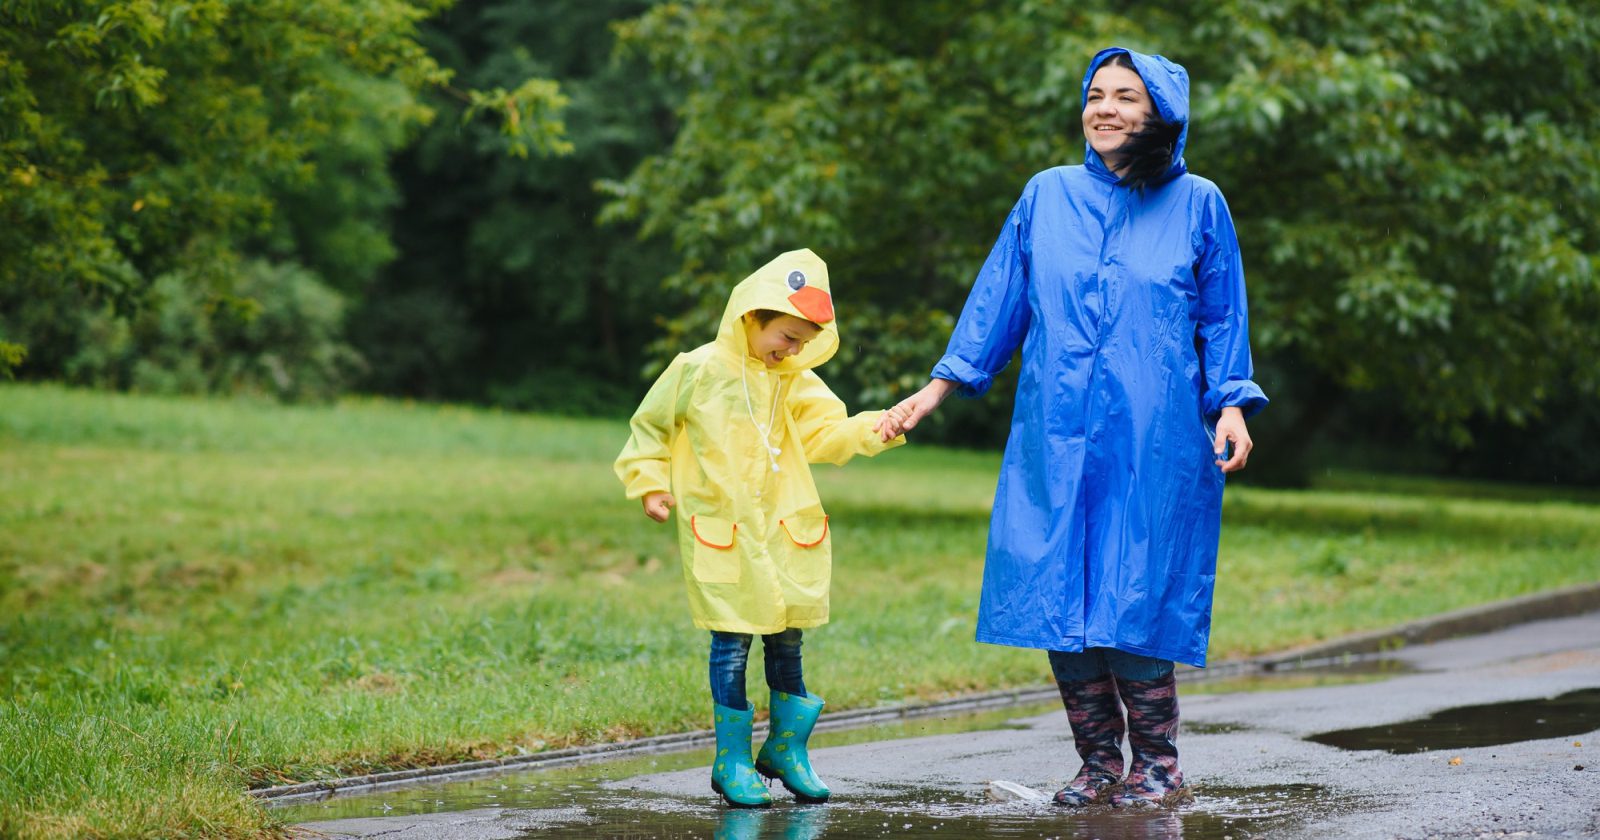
(1231, 429)
(1241, 453)
(894, 421)
(915, 410)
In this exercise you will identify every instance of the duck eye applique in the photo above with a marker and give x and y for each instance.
(797, 280)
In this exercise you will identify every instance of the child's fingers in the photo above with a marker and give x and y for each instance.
(889, 425)
(658, 506)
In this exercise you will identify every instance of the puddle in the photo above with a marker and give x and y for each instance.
(532, 788)
(585, 801)
(588, 811)
(1290, 677)
(1573, 713)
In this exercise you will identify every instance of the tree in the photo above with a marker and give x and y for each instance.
(1414, 184)
(505, 290)
(143, 139)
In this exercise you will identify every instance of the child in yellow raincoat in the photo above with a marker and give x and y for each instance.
(726, 435)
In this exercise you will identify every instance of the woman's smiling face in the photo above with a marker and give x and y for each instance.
(1116, 107)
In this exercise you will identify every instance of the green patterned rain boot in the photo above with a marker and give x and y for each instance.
(732, 775)
(783, 756)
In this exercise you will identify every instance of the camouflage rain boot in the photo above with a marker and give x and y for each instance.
(784, 756)
(1154, 780)
(732, 774)
(1097, 728)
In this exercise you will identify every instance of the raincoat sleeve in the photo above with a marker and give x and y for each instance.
(996, 314)
(828, 434)
(645, 465)
(1224, 327)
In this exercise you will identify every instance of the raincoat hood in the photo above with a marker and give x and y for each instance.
(794, 283)
(1168, 84)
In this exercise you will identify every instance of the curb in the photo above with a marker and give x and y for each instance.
(1557, 603)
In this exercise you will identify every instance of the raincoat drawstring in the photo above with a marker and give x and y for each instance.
(766, 431)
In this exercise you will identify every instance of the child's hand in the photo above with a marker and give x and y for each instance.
(659, 505)
(893, 422)
(909, 412)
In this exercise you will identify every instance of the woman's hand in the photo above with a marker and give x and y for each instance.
(659, 505)
(909, 412)
(1231, 428)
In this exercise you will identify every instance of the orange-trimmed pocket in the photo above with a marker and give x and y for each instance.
(718, 533)
(810, 559)
(715, 558)
(806, 531)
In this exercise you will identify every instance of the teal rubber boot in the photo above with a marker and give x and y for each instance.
(783, 756)
(732, 774)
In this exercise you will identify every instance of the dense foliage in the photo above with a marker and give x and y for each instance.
(505, 291)
(1414, 183)
(146, 142)
(1414, 186)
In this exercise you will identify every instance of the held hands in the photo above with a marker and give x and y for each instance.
(1231, 429)
(909, 412)
(659, 505)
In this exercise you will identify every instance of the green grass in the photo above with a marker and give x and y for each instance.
(197, 597)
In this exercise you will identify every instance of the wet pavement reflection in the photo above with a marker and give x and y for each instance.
(585, 800)
(1487, 725)
(532, 788)
(574, 810)
(1290, 676)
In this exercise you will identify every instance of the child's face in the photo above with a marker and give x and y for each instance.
(781, 338)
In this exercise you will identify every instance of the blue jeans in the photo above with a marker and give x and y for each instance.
(730, 652)
(1093, 663)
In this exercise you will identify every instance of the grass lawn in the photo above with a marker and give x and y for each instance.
(198, 597)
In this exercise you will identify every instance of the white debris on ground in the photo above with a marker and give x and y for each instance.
(1001, 790)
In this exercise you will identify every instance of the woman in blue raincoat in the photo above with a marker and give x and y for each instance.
(1121, 282)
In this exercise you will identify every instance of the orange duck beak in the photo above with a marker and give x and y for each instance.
(815, 304)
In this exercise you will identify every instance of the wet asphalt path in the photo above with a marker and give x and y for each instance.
(1247, 753)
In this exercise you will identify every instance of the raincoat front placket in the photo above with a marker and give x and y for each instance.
(765, 388)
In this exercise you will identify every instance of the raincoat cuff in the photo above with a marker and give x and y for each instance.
(1243, 393)
(973, 382)
(645, 482)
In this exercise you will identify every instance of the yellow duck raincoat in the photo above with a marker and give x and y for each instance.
(732, 440)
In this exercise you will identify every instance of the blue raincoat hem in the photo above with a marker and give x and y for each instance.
(1155, 653)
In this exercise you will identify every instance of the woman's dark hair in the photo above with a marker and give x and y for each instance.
(1148, 152)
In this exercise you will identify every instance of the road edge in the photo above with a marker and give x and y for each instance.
(1557, 603)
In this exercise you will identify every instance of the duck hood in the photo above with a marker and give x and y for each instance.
(794, 283)
(1168, 84)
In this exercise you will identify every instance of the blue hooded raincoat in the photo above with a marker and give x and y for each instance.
(1130, 310)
